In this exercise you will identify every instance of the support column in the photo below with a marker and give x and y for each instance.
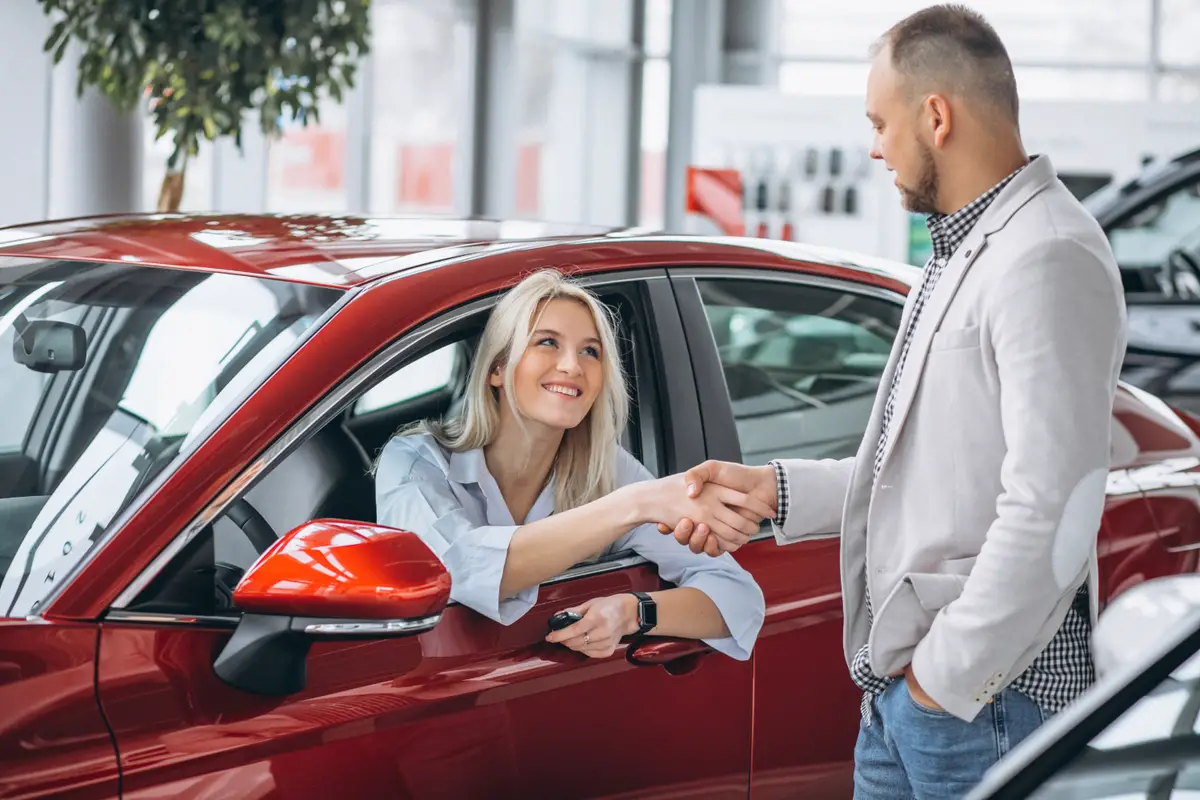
(240, 177)
(95, 152)
(25, 133)
(492, 165)
(696, 36)
(750, 43)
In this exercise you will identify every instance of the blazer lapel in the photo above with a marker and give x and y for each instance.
(922, 335)
(1032, 180)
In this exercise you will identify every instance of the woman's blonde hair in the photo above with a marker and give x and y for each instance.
(585, 466)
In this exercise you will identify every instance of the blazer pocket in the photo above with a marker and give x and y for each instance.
(936, 590)
(955, 339)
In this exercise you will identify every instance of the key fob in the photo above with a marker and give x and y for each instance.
(564, 618)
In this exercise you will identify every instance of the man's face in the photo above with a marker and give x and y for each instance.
(896, 119)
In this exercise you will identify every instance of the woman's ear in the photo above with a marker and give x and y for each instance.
(496, 376)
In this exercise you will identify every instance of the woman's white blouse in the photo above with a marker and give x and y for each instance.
(453, 504)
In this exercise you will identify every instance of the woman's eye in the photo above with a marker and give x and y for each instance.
(594, 352)
(548, 341)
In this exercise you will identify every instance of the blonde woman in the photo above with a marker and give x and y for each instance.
(529, 480)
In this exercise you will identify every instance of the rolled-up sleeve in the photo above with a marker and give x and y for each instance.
(412, 493)
(734, 592)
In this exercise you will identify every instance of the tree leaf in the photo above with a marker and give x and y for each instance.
(203, 64)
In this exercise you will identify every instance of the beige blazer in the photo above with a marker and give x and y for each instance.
(982, 524)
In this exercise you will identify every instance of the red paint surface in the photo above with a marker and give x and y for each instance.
(53, 742)
(346, 570)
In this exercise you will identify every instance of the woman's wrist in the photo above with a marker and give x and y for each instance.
(629, 614)
(632, 504)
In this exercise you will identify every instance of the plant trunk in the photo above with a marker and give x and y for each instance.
(171, 193)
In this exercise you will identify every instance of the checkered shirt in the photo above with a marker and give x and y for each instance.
(1064, 669)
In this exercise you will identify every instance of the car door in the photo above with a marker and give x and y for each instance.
(470, 708)
(788, 366)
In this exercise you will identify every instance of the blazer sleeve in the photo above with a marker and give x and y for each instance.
(816, 493)
(1056, 326)
(413, 493)
(732, 589)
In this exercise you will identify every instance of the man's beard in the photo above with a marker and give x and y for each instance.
(922, 199)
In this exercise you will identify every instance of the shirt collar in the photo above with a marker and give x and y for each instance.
(947, 231)
(469, 466)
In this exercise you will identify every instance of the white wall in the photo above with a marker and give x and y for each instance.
(25, 96)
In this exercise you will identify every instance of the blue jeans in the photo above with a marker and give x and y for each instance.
(912, 752)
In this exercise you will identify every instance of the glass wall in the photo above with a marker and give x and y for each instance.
(575, 63)
(419, 104)
(1079, 49)
(306, 166)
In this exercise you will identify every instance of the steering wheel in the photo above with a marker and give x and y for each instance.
(1190, 264)
(252, 523)
(226, 576)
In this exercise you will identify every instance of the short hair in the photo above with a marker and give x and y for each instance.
(954, 49)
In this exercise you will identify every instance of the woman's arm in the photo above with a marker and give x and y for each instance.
(730, 590)
(685, 613)
(540, 550)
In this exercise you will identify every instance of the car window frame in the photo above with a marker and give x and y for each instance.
(719, 425)
(676, 417)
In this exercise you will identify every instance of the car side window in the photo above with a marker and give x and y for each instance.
(802, 363)
(427, 374)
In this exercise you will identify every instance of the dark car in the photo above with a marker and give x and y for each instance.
(1153, 225)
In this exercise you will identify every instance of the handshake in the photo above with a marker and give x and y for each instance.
(717, 506)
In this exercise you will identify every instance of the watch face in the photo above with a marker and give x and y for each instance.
(649, 614)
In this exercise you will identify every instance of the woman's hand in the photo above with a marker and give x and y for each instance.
(605, 621)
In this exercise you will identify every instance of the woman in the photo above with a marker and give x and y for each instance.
(529, 480)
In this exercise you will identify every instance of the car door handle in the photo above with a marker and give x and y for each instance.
(660, 652)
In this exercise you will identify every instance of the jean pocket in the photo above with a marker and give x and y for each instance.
(924, 709)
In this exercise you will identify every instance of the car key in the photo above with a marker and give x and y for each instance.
(564, 618)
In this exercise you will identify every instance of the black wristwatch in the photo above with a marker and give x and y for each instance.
(647, 613)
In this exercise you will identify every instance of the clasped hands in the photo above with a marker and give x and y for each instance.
(722, 507)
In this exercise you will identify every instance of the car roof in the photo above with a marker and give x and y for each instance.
(342, 251)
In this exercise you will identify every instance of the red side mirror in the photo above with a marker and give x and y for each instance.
(328, 578)
(337, 569)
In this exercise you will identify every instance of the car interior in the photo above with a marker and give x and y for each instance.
(329, 475)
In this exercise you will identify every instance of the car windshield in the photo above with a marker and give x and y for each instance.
(108, 373)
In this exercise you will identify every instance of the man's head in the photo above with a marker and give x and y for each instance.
(940, 94)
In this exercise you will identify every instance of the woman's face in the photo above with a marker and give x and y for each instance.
(561, 372)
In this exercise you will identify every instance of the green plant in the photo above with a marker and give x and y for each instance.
(203, 64)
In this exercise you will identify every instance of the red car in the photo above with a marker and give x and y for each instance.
(196, 603)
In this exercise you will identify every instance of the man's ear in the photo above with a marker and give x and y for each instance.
(938, 117)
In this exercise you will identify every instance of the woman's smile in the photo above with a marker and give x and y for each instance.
(566, 390)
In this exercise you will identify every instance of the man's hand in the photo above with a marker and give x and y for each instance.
(916, 692)
(759, 482)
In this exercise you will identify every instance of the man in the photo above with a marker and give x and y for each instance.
(969, 515)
